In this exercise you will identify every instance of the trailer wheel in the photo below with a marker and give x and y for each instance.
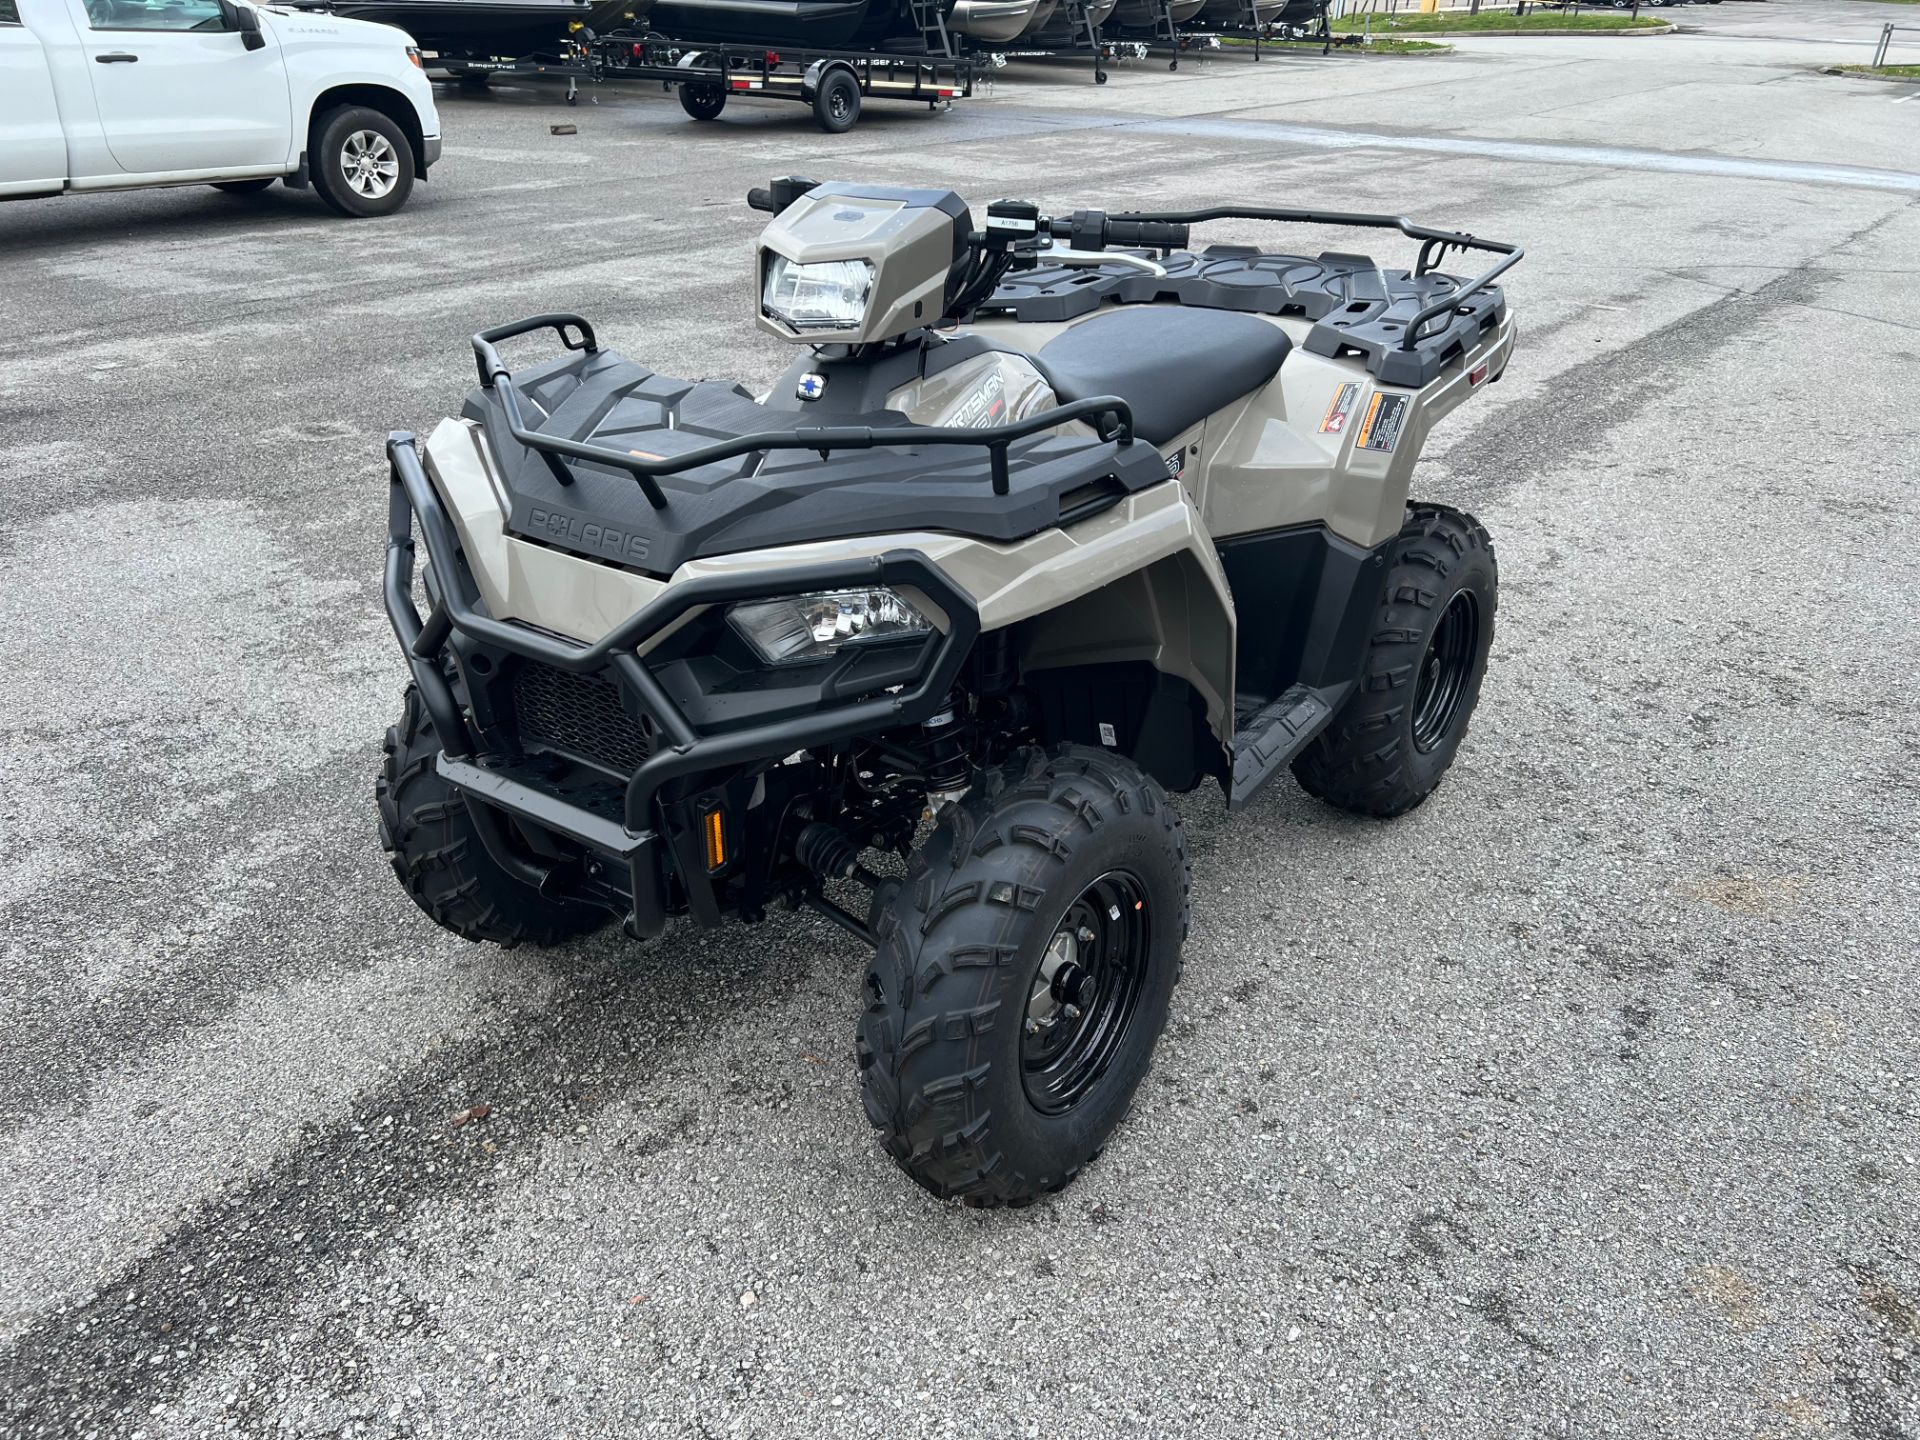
(836, 104)
(703, 102)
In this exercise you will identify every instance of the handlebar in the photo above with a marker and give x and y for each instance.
(1014, 230)
(1092, 230)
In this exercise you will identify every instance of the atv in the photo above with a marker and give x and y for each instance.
(1051, 519)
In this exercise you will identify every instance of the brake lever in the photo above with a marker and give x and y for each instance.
(1063, 256)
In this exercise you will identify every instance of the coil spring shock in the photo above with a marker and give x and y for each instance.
(949, 767)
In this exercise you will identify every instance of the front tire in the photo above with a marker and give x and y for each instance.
(440, 859)
(1059, 885)
(1398, 733)
(361, 161)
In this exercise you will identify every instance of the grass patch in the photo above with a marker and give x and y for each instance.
(1415, 24)
(1890, 72)
(1379, 45)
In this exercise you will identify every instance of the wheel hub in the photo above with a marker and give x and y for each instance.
(1084, 993)
(1446, 671)
(370, 164)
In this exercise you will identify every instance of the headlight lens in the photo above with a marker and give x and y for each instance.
(810, 627)
(831, 295)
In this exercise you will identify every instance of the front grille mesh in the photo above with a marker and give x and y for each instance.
(578, 715)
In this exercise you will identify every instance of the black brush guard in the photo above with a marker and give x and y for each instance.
(681, 750)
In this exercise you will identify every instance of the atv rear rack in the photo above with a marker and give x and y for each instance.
(1110, 416)
(1434, 246)
(636, 839)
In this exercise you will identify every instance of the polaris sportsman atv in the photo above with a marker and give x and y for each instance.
(1053, 517)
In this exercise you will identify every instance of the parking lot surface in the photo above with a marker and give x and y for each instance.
(1583, 1101)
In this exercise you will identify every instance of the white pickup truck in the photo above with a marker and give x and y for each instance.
(121, 94)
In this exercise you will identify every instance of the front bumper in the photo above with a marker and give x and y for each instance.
(638, 838)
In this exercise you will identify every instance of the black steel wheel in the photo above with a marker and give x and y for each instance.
(1085, 993)
(1023, 974)
(703, 101)
(836, 104)
(1446, 671)
(1397, 734)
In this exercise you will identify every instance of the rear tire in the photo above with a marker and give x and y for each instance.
(1395, 737)
(243, 187)
(361, 162)
(836, 104)
(703, 101)
(1023, 889)
(441, 861)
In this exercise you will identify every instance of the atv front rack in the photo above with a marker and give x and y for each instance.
(685, 750)
(1110, 416)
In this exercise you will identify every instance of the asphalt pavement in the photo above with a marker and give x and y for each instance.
(1584, 1101)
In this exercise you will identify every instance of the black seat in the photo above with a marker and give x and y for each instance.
(1173, 365)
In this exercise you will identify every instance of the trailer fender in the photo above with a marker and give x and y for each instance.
(817, 73)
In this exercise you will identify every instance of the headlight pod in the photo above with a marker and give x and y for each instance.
(812, 627)
(828, 295)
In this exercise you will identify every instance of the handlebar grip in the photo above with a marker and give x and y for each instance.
(1152, 234)
(760, 198)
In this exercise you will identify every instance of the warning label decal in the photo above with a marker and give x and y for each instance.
(1335, 420)
(1380, 430)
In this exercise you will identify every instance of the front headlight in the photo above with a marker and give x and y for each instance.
(830, 295)
(810, 627)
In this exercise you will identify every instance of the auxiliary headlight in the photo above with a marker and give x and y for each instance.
(810, 627)
(830, 295)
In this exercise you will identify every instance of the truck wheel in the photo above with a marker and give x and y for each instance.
(836, 104)
(1395, 737)
(703, 102)
(361, 162)
(442, 862)
(1022, 975)
(243, 187)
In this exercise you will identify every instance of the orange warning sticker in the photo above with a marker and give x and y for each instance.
(1380, 427)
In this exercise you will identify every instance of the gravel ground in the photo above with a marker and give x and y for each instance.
(1583, 1101)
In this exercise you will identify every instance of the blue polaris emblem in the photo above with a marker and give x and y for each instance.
(811, 386)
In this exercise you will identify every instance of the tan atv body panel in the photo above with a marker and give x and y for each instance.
(1278, 457)
(1140, 581)
(1178, 615)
